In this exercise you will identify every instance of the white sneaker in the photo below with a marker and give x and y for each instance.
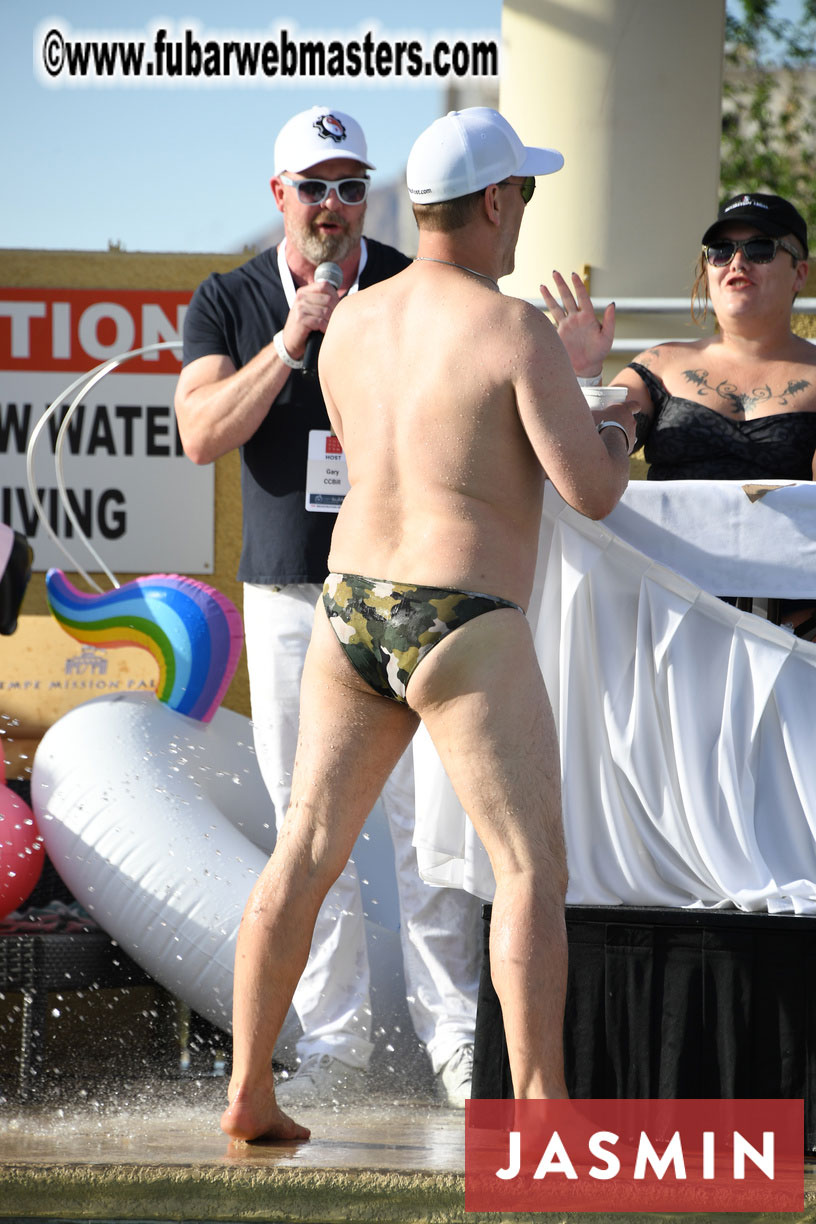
(453, 1080)
(321, 1080)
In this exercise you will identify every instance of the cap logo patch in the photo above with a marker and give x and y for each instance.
(746, 199)
(330, 128)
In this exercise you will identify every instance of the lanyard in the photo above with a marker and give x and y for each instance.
(286, 272)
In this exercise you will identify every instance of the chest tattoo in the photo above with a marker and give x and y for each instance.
(745, 404)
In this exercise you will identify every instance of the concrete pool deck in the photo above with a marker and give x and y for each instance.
(153, 1150)
(156, 1152)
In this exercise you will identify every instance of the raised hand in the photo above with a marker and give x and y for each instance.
(586, 340)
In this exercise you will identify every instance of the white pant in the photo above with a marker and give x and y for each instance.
(439, 927)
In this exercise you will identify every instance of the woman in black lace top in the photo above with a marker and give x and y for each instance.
(738, 405)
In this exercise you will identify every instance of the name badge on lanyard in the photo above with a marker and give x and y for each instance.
(326, 479)
(326, 474)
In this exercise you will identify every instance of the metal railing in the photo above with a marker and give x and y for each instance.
(662, 306)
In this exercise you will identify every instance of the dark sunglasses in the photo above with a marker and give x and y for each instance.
(756, 250)
(315, 191)
(526, 186)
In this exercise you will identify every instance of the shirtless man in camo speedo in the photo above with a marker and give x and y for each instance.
(453, 403)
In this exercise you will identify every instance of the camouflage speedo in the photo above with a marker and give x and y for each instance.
(385, 628)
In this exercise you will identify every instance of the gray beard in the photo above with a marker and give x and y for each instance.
(318, 247)
(334, 247)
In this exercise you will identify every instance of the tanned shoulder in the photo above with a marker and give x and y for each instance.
(662, 356)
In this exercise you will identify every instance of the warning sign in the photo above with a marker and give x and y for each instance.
(128, 486)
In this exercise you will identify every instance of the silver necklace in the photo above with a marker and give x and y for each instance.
(461, 267)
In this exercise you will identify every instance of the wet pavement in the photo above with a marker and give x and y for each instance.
(153, 1150)
(176, 1123)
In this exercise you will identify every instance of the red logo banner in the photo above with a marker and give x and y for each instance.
(634, 1155)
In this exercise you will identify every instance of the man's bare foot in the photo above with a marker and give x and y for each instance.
(248, 1117)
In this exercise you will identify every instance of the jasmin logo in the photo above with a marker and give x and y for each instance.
(634, 1156)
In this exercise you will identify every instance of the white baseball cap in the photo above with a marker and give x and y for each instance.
(466, 151)
(317, 134)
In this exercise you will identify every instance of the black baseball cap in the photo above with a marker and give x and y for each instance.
(770, 214)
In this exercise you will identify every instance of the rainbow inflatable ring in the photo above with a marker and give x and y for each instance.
(161, 824)
(193, 631)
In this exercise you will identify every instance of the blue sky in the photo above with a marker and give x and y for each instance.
(162, 169)
(184, 168)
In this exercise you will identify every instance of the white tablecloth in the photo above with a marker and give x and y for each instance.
(686, 727)
(714, 534)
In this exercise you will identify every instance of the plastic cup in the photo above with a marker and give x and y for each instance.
(602, 397)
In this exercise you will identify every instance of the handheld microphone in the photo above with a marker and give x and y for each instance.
(332, 273)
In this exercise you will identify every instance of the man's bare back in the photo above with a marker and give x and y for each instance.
(456, 401)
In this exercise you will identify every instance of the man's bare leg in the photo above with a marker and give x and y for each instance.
(349, 741)
(483, 700)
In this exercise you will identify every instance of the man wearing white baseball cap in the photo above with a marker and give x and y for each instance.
(244, 384)
(467, 150)
(453, 402)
